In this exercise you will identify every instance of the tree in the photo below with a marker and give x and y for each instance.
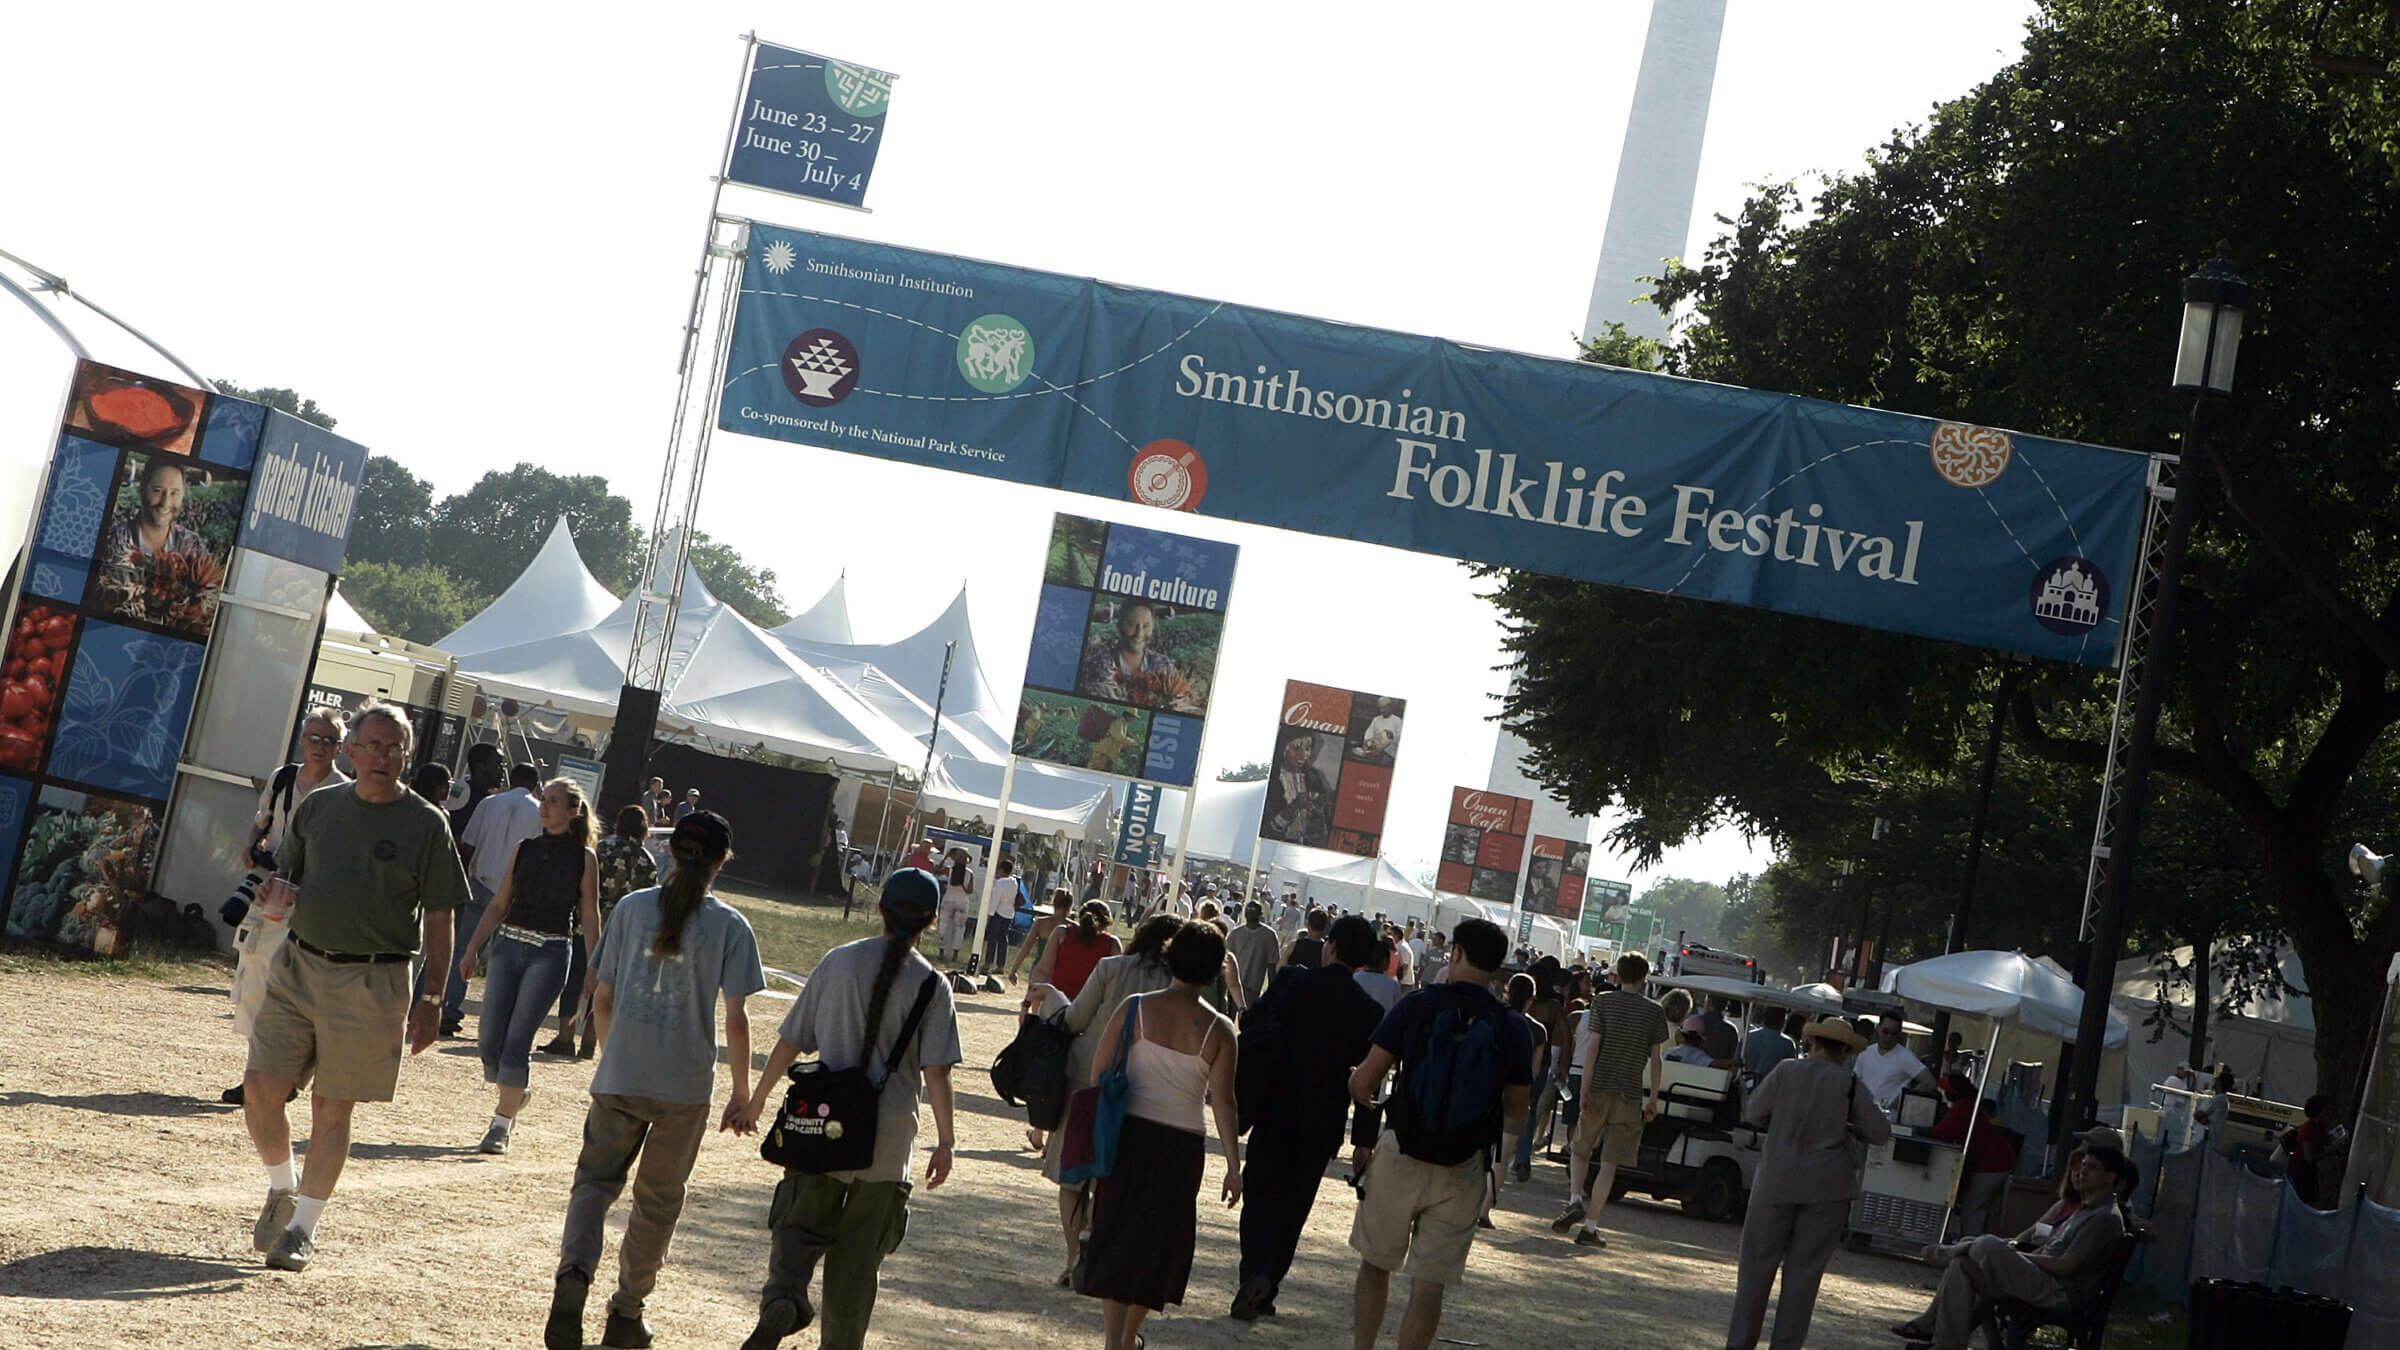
(422, 602)
(1248, 771)
(2015, 263)
(282, 400)
(393, 521)
(750, 590)
(1695, 909)
(487, 534)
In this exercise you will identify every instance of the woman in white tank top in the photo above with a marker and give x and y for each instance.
(1145, 1214)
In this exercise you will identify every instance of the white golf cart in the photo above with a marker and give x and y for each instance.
(1698, 1151)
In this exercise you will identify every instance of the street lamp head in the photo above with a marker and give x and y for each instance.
(2214, 300)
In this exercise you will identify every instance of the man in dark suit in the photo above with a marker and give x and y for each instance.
(1299, 1043)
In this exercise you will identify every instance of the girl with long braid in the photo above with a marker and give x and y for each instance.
(668, 956)
(852, 1012)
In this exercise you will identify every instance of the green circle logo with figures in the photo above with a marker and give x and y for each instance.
(995, 353)
(857, 90)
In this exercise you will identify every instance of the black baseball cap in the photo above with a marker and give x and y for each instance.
(912, 888)
(705, 828)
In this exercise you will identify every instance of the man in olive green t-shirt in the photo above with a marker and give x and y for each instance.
(377, 870)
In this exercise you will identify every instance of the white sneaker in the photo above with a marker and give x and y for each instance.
(273, 1218)
(495, 1141)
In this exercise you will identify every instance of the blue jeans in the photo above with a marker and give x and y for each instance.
(520, 982)
(1541, 1084)
(468, 916)
(570, 998)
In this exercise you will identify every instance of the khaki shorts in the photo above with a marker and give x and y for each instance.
(1417, 1217)
(343, 1021)
(1614, 1122)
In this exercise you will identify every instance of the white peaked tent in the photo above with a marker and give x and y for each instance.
(725, 677)
(883, 672)
(554, 595)
(1060, 800)
(828, 620)
(2270, 1043)
(1343, 881)
(340, 617)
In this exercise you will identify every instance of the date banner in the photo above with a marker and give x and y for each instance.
(1331, 775)
(809, 126)
(1483, 844)
(1941, 529)
(1124, 657)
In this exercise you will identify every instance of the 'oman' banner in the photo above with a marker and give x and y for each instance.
(1554, 884)
(1941, 529)
(1330, 777)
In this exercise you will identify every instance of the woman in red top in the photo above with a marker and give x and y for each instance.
(1990, 1158)
(1065, 964)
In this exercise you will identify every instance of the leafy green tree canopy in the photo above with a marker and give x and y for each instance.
(2017, 262)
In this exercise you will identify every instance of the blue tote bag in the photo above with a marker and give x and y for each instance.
(1096, 1114)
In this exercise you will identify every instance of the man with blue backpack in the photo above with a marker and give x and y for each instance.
(1465, 1066)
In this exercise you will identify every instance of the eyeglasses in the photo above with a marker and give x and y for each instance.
(378, 749)
(319, 738)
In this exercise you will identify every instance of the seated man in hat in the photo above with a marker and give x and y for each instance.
(2065, 1273)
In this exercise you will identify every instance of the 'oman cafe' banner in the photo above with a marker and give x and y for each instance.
(1483, 844)
(1941, 529)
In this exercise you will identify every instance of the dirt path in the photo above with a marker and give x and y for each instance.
(131, 1190)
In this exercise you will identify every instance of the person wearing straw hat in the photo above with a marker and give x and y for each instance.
(1812, 1109)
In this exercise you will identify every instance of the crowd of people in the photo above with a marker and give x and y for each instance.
(1292, 1033)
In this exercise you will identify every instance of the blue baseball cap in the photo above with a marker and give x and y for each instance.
(912, 888)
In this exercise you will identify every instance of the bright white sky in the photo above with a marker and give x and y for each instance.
(469, 232)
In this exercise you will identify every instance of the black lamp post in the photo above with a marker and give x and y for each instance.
(2214, 300)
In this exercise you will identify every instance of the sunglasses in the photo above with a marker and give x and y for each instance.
(318, 738)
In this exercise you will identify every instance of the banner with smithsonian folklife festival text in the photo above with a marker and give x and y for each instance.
(1941, 529)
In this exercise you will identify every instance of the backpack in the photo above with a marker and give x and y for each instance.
(1447, 1108)
(1032, 1070)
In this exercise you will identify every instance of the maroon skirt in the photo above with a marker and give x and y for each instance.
(1145, 1217)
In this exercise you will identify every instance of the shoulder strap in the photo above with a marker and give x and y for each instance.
(908, 1029)
(287, 781)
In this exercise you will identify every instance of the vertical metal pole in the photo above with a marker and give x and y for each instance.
(1250, 878)
(1183, 832)
(916, 810)
(2108, 934)
(991, 867)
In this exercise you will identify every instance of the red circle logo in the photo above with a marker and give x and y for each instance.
(1168, 473)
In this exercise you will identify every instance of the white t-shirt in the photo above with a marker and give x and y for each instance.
(277, 812)
(1886, 1073)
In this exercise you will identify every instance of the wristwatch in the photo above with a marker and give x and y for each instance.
(430, 999)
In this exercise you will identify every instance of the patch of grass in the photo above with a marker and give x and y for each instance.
(19, 957)
(795, 930)
(2130, 1327)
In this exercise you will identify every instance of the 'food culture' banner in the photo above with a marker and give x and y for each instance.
(1331, 774)
(1124, 656)
(808, 126)
(1554, 884)
(1940, 529)
(1483, 845)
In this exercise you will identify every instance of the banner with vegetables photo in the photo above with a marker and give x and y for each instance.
(105, 643)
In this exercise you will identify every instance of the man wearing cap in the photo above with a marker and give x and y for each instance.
(1811, 1110)
(379, 878)
(1690, 1048)
(1888, 1067)
(2064, 1274)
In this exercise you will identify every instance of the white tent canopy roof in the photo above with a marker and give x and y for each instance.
(1055, 796)
(341, 617)
(2004, 986)
(554, 595)
(828, 620)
